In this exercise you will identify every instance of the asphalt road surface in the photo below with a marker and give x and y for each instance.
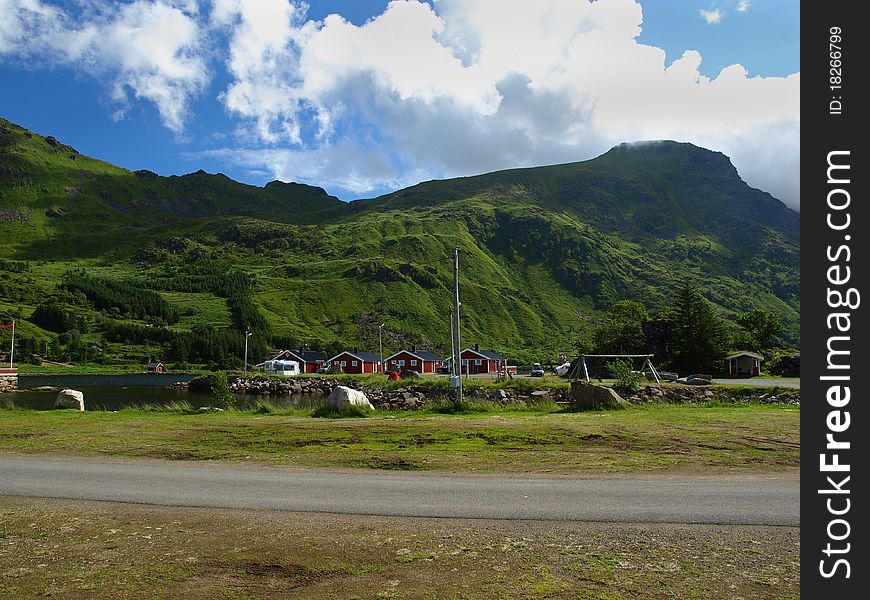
(752, 501)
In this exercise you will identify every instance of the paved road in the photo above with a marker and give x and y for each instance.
(405, 494)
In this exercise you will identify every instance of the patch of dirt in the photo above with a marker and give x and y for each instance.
(392, 463)
(133, 551)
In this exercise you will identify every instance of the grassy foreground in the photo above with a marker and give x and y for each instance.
(646, 439)
(76, 549)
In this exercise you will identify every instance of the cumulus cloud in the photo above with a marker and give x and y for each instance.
(150, 50)
(743, 6)
(472, 85)
(713, 16)
(421, 91)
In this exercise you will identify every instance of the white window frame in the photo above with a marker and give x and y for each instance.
(342, 363)
(401, 362)
(354, 363)
(413, 362)
(478, 362)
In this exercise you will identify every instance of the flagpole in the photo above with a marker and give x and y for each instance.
(12, 347)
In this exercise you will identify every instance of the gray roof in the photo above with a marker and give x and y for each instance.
(365, 356)
(306, 354)
(490, 354)
(744, 353)
(422, 354)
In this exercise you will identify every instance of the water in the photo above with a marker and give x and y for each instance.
(114, 392)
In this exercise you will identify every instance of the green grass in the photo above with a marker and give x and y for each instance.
(542, 253)
(648, 439)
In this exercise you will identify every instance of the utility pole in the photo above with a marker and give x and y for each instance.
(381, 345)
(12, 347)
(247, 335)
(457, 349)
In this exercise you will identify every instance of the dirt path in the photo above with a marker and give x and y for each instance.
(78, 549)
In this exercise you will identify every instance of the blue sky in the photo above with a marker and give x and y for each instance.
(364, 96)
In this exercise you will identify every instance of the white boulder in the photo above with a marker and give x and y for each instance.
(70, 399)
(342, 396)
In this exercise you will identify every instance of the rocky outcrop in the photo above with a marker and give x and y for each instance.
(687, 394)
(265, 387)
(787, 366)
(590, 396)
(343, 396)
(414, 395)
(70, 399)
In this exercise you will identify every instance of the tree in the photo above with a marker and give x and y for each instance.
(699, 340)
(761, 325)
(53, 318)
(623, 329)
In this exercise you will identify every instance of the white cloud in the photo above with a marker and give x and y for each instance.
(474, 85)
(147, 49)
(464, 87)
(742, 5)
(713, 16)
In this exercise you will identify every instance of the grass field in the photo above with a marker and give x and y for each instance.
(76, 549)
(649, 439)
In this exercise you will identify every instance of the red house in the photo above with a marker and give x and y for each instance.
(354, 361)
(413, 360)
(476, 360)
(309, 360)
(155, 367)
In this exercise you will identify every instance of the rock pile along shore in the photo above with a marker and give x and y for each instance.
(418, 394)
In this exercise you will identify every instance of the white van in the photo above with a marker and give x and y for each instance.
(281, 367)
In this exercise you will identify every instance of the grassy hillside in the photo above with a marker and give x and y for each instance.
(544, 251)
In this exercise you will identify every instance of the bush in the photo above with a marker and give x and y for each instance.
(626, 378)
(348, 411)
(220, 391)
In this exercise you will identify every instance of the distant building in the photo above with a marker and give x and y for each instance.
(477, 360)
(355, 361)
(309, 360)
(156, 367)
(746, 364)
(413, 360)
(282, 367)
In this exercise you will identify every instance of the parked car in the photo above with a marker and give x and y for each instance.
(537, 370)
(443, 369)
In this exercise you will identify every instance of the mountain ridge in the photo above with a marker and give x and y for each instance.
(545, 250)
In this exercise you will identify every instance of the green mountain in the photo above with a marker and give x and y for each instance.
(544, 251)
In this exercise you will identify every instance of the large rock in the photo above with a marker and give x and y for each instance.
(788, 366)
(343, 395)
(70, 399)
(587, 395)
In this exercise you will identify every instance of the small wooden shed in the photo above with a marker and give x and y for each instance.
(744, 364)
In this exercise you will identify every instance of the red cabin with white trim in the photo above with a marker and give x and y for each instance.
(357, 362)
(413, 360)
(744, 364)
(309, 360)
(477, 360)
